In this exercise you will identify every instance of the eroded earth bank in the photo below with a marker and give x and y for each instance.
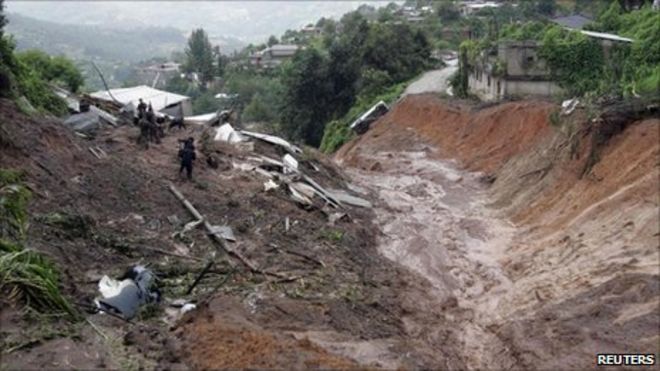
(543, 237)
(496, 240)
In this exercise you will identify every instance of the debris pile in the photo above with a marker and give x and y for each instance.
(287, 171)
(361, 125)
(123, 297)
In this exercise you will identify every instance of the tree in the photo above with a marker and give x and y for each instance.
(3, 19)
(546, 7)
(397, 49)
(199, 55)
(346, 62)
(447, 11)
(6, 50)
(272, 40)
(306, 100)
(58, 70)
(221, 61)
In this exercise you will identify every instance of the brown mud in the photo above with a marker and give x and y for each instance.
(493, 207)
(487, 247)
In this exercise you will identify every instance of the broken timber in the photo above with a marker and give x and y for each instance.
(216, 236)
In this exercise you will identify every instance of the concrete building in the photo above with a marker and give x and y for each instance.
(514, 70)
(467, 8)
(157, 75)
(273, 56)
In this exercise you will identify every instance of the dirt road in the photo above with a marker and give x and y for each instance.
(435, 81)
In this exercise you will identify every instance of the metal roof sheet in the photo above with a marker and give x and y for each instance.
(159, 99)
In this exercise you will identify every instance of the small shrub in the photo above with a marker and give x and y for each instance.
(555, 119)
(26, 276)
(29, 278)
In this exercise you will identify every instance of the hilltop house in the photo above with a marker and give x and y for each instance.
(469, 7)
(516, 70)
(273, 56)
(310, 30)
(575, 21)
(156, 75)
(513, 70)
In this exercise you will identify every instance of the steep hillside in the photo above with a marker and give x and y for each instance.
(573, 260)
(323, 296)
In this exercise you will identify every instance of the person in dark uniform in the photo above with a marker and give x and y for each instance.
(153, 125)
(145, 132)
(187, 156)
(177, 122)
(142, 109)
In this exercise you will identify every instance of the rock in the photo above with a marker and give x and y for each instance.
(174, 220)
(154, 224)
(376, 166)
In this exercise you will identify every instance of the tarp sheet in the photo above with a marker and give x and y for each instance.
(226, 133)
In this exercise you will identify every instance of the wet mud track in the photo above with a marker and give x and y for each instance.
(435, 221)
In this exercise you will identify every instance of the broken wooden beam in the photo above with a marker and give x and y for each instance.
(215, 236)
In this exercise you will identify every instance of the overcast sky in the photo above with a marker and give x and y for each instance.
(251, 21)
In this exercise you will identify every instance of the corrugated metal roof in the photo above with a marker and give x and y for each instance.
(607, 36)
(575, 21)
(159, 99)
(368, 113)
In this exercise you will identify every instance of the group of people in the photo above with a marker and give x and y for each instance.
(152, 130)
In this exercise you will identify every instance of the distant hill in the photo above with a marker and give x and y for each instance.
(249, 21)
(115, 50)
(93, 42)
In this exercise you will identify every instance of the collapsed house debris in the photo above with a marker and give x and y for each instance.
(226, 133)
(124, 297)
(274, 140)
(361, 125)
(302, 188)
(162, 101)
(200, 119)
(90, 120)
(568, 106)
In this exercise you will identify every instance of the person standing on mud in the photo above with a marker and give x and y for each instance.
(150, 114)
(145, 132)
(187, 156)
(141, 108)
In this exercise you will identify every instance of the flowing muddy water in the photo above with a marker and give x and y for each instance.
(434, 221)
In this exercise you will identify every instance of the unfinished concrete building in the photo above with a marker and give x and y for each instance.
(516, 70)
(513, 70)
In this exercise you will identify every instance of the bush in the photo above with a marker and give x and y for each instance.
(26, 276)
(30, 84)
(576, 60)
(18, 78)
(338, 132)
(58, 70)
(31, 279)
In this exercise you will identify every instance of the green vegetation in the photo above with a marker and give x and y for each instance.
(26, 276)
(580, 64)
(57, 70)
(337, 132)
(31, 279)
(199, 55)
(29, 74)
(338, 72)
